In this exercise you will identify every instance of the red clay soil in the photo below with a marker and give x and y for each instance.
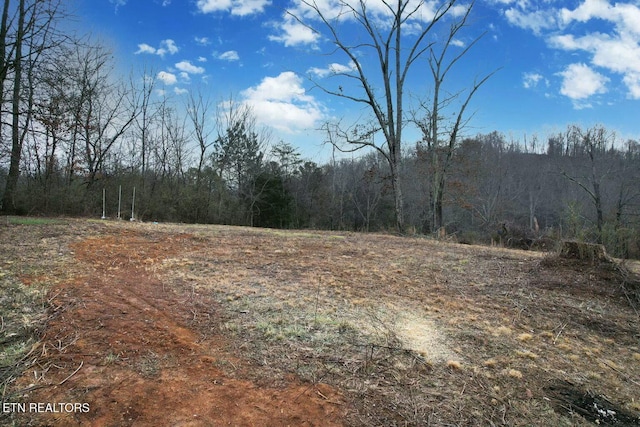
(141, 353)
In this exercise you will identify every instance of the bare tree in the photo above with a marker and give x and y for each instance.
(200, 114)
(145, 119)
(440, 134)
(103, 108)
(593, 144)
(24, 40)
(387, 26)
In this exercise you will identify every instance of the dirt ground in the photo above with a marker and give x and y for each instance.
(176, 325)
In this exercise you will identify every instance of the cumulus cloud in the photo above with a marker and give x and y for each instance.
(167, 78)
(230, 55)
(180, 91)
(580, 82)
(188, 67)
(166, 46)
(614, 47)
(618, 52)
(293, 33)
(169, 46)
(282, 102)
(145, 48)
(235, 7)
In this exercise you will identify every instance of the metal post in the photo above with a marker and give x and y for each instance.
(133, 204)
(104, 200)
(119, 199)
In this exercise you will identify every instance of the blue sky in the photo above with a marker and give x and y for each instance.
(560, 62)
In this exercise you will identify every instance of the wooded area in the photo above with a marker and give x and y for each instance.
(71, 128)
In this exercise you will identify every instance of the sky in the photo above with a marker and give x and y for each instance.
(556, 62)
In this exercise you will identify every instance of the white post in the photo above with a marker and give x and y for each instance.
(133, 204)
(119, 199)
(104, 200)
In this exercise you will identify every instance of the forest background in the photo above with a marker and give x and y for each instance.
(76, 138)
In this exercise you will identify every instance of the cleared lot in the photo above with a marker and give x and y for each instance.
(154, 324)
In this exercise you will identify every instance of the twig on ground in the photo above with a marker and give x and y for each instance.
(559, 332)
(53, 297)
(72, 374)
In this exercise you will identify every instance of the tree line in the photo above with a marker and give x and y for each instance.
(72, 130)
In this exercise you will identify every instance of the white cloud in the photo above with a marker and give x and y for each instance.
(618, 52)
(208, 6)
(531, 80)
(145, 48)
(235, 7)
(118, 3)
(632, 80)
(230, 55)
(282, 103)
(536, 21)
(332, 69)
(202, 59)
(167, 78)
(293, 33)
(614, 47)
(166, 46)
(180, 91)
(202, 41)
(188, 67)
(580, 82)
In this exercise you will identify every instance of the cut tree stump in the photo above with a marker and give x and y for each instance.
(583, 251)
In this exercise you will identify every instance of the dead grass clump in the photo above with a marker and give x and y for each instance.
(514, 373)
(526, 354)
(525, 337)
(454, 365)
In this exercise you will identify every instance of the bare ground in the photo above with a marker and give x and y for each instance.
(154, 324)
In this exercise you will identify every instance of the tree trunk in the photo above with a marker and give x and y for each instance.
(437, 211)
(397, 193)
(8, 201)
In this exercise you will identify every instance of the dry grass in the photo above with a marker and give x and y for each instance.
(421, 332)
(415, 331)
